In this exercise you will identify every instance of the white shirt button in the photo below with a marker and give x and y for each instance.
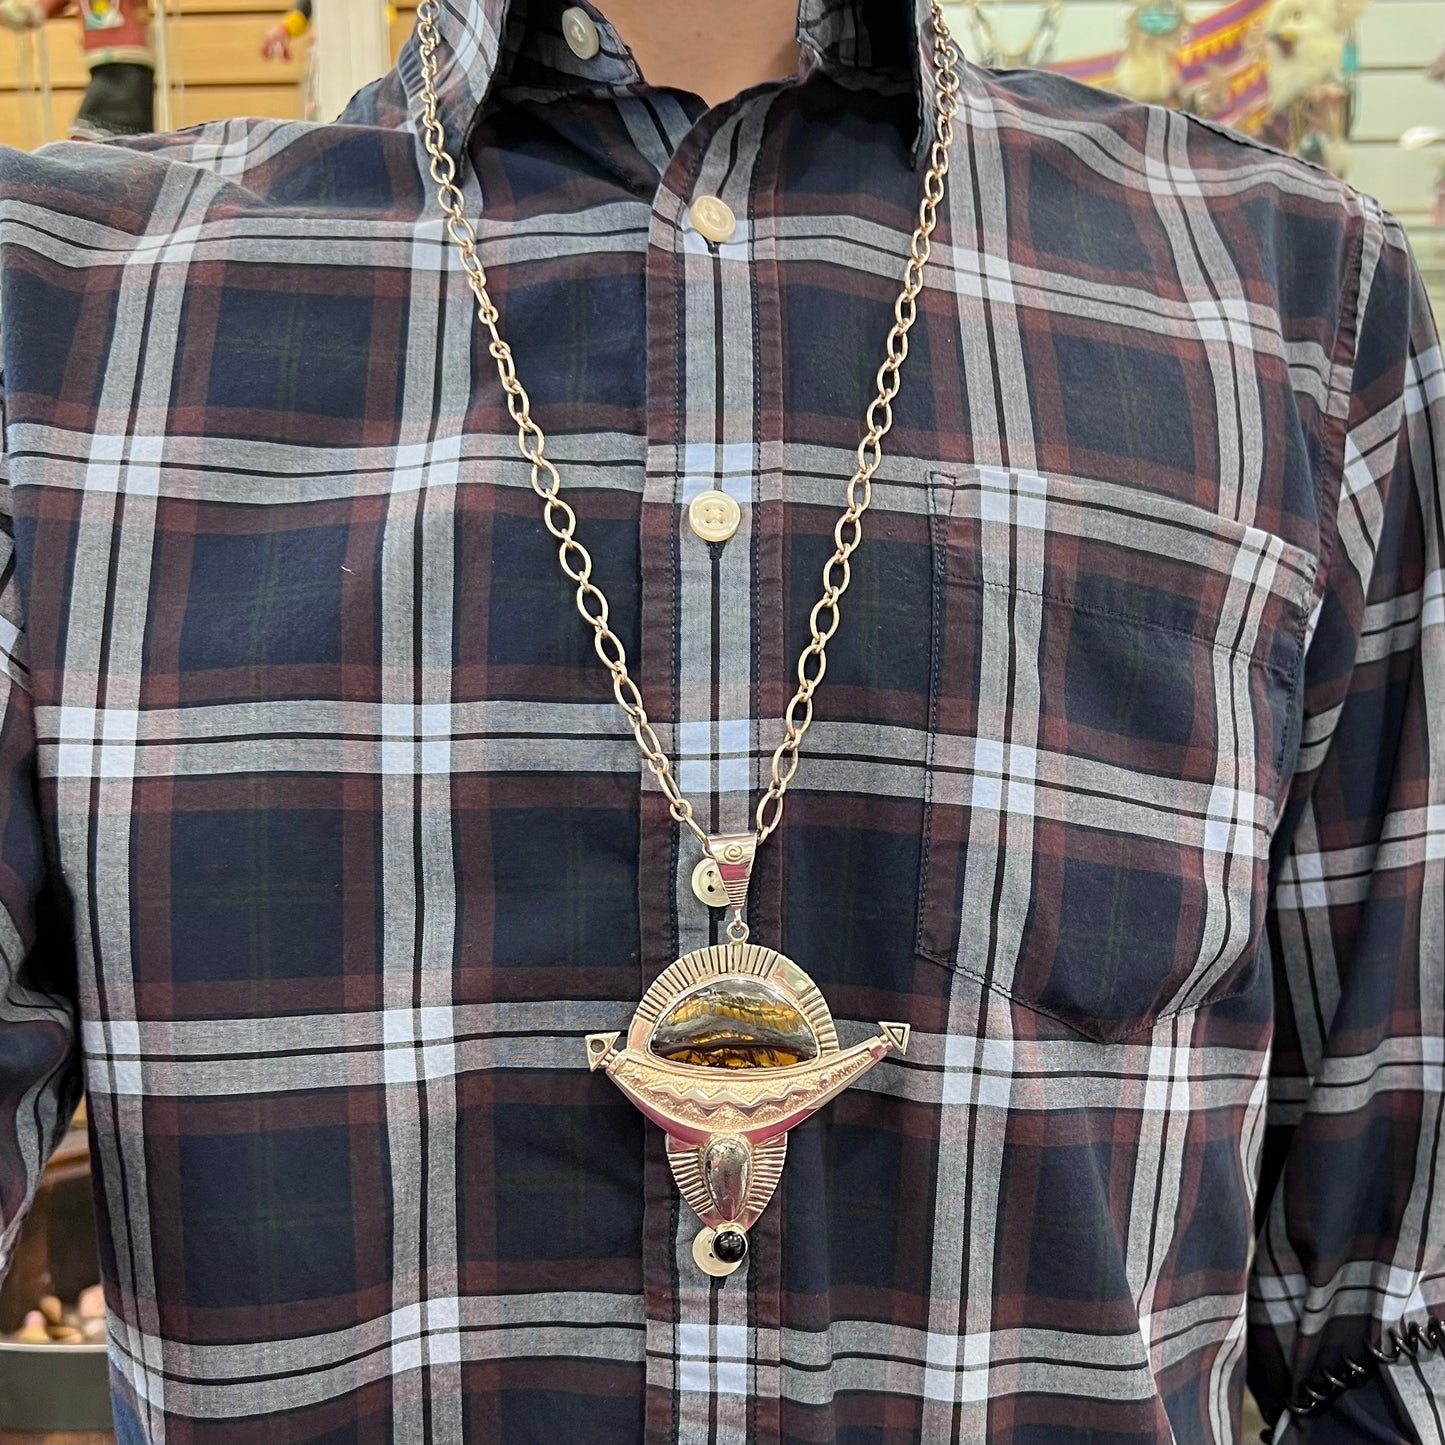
(580, 33)
(714, 516)
(712, 219)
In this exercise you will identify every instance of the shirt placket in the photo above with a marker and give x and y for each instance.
(712, 1344)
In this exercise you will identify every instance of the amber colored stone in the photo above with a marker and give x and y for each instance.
(734, 1023)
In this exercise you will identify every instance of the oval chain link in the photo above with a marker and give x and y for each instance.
(561, 520)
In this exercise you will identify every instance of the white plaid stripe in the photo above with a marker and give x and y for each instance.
(122, 535)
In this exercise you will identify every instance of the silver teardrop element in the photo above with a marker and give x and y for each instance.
(726, 1166)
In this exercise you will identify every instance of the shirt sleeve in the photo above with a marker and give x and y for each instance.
(1351, 1241)
(39, 1073)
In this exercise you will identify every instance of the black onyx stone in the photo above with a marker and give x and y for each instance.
(730, 1245)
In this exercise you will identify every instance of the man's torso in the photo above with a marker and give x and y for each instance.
(357, 845)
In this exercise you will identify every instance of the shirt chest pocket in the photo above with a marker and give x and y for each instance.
(1114, 679)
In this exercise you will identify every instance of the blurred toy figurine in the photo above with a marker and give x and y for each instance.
(1035, 50)
(1311, 61)
(276, 44)
(1148, 70)
(120, 98)
(1211, 66)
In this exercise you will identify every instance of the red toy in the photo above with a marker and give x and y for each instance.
(120, 98)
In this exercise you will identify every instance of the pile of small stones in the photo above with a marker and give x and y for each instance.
(56, 1324)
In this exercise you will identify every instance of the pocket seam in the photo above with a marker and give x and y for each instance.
(938, 580)
(1295, 599)
(1097, 1036)
(1086, 610)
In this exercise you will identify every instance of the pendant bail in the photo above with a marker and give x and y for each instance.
(734, 853)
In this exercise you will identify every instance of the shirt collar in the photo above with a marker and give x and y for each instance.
(487, 43)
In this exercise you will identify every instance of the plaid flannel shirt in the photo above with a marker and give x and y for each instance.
(324, 843)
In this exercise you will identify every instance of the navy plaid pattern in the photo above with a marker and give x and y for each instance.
(322, 842)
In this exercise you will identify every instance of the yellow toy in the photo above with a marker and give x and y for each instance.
(276, 43)
(1311, 64)
(1210, 65)
(1148, 70)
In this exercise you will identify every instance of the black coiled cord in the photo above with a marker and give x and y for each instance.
(1321, 1390)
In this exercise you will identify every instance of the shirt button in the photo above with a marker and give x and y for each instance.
(580, 33)
(712, 219)
(714, 516)
(707, 884)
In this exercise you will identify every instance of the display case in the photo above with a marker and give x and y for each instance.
(53, 1367)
